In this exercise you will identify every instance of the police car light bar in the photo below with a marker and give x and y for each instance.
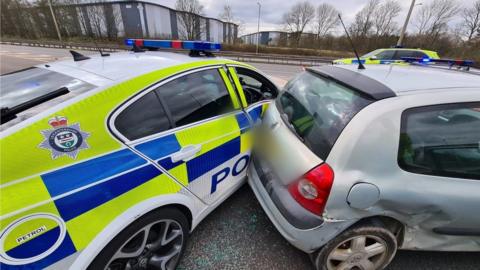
(204, 46)
(450, 62)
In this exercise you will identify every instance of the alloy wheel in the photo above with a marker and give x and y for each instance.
(156, 246)
(363, 252)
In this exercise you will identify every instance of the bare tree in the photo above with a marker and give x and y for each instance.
(299, 16)
(97, 19)
(384, 18)
(364, 19)
(227, 14)
(39, 13)
(189, 14)
(327, 19)
(228, 17)
(432, 19)
(104, 20)
(241, 26)
(470, 26)
(11, 17)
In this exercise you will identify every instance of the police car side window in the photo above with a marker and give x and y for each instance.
(441, 140)
(385, 55)
(142, 118)
(418, 54)
(196, 96)
(403, 53)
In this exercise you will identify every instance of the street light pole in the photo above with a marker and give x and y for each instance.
(402, 33)
(55, 22)
(258, 25)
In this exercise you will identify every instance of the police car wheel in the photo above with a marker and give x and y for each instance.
(359, 248)
(155, 241)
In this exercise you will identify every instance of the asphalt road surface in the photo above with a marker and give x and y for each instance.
(238, 234)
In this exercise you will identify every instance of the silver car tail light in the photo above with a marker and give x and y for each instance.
(311, 191)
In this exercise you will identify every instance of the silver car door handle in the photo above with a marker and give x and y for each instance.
(186, 153)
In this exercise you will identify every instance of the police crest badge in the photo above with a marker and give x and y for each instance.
(64, 139)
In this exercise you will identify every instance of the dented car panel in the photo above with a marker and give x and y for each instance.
(423, 203)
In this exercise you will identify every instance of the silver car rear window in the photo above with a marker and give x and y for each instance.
(319, 109)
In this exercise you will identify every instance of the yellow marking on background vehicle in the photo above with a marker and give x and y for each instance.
(388, 56)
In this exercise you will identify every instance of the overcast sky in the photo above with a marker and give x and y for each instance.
(272, 10)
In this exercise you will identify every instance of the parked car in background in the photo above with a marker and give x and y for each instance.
(389, 56)
(351, 165)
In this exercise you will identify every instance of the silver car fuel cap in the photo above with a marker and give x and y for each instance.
(363, 195)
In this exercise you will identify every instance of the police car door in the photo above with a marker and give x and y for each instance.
(255, 91)
(189, 125)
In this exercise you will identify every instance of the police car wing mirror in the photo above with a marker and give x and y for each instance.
(186, 153)
(242, 81)
(267, 95)
(373, 57)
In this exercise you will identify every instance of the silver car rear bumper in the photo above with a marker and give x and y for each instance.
(307, 240)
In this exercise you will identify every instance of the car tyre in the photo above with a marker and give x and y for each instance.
(157, 240)
(362, 248)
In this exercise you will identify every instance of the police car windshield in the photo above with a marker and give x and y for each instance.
(26, 85)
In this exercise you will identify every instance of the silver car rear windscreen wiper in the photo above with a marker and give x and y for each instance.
(8, 114)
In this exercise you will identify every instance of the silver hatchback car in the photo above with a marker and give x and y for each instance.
(351, 165)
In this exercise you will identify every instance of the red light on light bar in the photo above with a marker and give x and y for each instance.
(139, 42)
(176, 44)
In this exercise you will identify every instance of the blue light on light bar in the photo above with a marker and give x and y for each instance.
(175, 44)
(157, 43)
(426, 60)
(451, 62)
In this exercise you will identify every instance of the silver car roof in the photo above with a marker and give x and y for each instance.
(407, 78)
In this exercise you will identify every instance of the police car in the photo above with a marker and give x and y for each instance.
(389, 56)
(109, 161)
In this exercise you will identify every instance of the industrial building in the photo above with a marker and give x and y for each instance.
(114, 19)
(267, 38)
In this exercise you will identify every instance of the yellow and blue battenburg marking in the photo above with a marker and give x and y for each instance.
(108, 180)
(53, 205)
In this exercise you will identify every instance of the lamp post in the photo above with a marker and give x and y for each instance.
(55, 22)
(258, 25)
(404, 28)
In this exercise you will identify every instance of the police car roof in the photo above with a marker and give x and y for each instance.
(124, 65)
(407, 49)
(405, 79)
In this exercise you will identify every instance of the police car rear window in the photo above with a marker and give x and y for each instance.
(318, 110)
(25, 85)
(195, 97)
(188, 99)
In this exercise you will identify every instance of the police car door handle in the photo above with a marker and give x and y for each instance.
(186, 153)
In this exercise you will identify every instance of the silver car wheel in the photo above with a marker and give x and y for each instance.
(155, 246)
(363, 252)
